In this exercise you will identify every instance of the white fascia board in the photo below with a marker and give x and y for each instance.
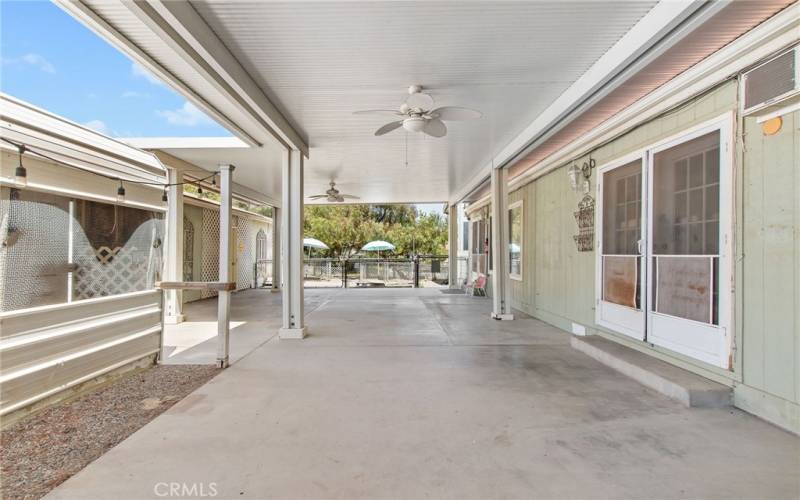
(188, 33)
(86, 16)
(774, 34)
(656, 32)
(185, 142)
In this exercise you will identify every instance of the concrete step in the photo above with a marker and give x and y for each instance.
(676, 383)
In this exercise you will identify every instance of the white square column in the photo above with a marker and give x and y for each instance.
(173, 300)
(292, 246)
(225, 261)
(277, 213)
(452, 247)
(501, 286)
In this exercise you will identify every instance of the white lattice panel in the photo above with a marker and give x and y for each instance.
(209, 265)
(108, 271)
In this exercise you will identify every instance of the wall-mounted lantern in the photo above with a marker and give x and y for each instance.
(579, 176)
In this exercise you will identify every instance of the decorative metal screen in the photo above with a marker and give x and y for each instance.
(261, 245)
(58, 249)
(188, 250)
(244, 253)
(116, 249)
(35, 249)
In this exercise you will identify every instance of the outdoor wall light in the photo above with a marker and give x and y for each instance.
(20, 173)
(121, 192)
(579, 176)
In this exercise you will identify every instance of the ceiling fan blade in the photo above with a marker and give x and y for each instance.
(435, 128)
(389, 127)
(455, 113)
(378, 112)
(317, 196)
(350, 197)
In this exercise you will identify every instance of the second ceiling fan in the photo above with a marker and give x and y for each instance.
(419, 117)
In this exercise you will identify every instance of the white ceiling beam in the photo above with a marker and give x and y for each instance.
(661, 28)
(180, 26)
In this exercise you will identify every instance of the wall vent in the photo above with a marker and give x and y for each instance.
(772, 82)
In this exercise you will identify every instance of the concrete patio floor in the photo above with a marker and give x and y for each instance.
(417, 394)
(255, 319)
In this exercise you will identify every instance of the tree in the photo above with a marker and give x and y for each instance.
(347, 228)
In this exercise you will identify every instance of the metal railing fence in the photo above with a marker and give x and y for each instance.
(418, 272)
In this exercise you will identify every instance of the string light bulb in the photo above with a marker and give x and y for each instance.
(214, 181)
(164, 197)
(199, 190)
(20, 173)
(121, 192)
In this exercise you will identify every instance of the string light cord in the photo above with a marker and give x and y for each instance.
(27, 149)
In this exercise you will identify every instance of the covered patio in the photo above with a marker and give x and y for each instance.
(414, 392)
(623, 177)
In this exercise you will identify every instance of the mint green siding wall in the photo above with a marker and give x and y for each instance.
(558, 283)
(769, 270)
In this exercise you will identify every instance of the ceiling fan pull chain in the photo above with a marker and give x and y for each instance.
(406, 149)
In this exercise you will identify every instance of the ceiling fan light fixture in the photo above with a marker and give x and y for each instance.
(414, 124)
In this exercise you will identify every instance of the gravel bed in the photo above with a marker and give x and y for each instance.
(43, 450)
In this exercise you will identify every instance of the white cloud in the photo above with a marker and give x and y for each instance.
(140, 72)
(132, 94)
(32, 59)
(97, 126)
(187, 116)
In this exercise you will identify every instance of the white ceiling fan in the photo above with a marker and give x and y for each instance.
(419, 117)
(333, 195)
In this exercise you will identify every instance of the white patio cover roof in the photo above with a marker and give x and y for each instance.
(292, 73)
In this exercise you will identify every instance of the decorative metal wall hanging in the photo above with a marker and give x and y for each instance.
(584, 217)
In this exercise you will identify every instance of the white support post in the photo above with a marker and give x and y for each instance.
(225, 259)
(277, 213)
(452, 247)
(501, 286)
(173, 304)
(292, 246)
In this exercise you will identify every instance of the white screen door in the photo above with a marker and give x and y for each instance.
(620, 263)
(689, 273)
(664, 270)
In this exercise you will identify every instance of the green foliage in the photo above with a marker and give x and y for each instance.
(347, 228)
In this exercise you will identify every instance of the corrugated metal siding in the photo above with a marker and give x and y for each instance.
(52, 348)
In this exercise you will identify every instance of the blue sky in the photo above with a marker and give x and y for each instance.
(54, 62)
